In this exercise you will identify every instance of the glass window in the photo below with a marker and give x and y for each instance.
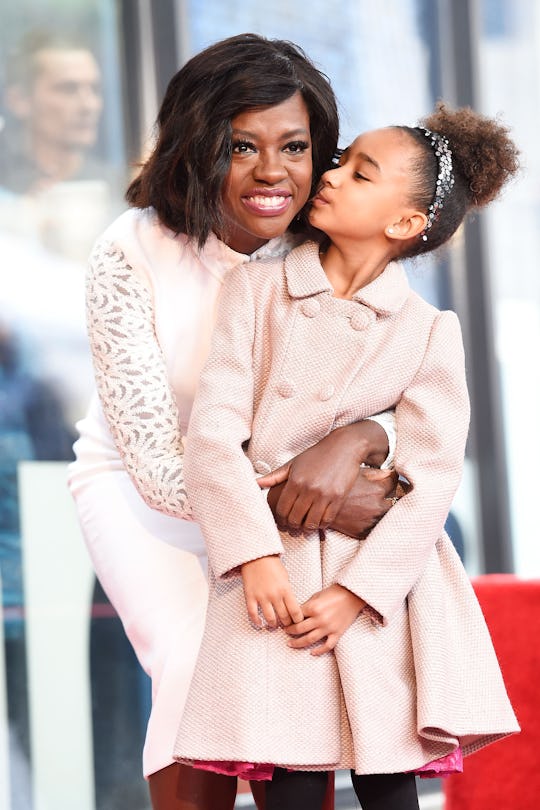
(509, 77)
(72, 697)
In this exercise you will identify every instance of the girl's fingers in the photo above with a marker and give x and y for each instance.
(253, 611)
(283, 614)
(327, 645)
(306, 640)
(293, 607)
(269, 614)
(302, 627)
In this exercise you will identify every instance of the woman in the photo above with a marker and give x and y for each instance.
(211, 195)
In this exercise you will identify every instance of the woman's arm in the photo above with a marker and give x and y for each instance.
(325, 485)
(132, 381)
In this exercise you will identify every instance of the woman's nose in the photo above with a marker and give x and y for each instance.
(270, 168)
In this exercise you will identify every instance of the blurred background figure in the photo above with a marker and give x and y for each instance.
(53, 95)
(53, 187)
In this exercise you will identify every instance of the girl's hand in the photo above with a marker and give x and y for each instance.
(328, 614)
(319, 479)
(268, 592)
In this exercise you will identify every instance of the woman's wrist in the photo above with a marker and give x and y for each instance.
(368, 440)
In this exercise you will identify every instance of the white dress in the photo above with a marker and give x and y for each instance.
(151, 298)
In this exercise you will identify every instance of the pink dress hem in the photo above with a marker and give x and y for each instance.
(451, 763)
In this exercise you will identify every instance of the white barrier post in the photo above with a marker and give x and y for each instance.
(58, 584)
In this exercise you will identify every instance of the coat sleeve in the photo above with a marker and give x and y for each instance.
(432, 420)
(236, 520)
(132, 380)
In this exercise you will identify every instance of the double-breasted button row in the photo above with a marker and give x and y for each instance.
(359, 320)
(286, 389)
(310, 307)
(261, 467)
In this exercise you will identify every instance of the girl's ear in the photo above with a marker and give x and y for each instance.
(408, 226)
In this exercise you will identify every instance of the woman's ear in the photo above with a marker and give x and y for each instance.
(408, 226)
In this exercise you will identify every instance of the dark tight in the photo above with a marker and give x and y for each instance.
(386, 791)
(180, 787)
(296, 790)
(303, 790)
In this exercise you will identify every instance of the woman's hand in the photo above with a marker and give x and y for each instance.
(368, 500)
(327, 615)
(318, 480)
(268, 592)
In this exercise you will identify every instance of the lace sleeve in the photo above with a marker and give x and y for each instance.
(132, 381)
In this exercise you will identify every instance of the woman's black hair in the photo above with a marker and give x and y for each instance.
(183, 177)
(484, 158)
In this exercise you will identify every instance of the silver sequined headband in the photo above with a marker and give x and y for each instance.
(445, 176)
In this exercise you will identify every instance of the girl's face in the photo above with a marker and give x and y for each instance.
(269, 180)
(369, 191)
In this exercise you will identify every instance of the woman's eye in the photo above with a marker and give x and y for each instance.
(297, 147)
(242, 147)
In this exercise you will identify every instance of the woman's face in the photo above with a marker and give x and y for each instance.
(269, 179)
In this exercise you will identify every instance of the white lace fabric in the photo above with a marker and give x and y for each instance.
(132, 381)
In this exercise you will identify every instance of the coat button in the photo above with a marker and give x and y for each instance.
(286, 389)
(310, 308)
(326, 393)
(261, 467)
(360, 320)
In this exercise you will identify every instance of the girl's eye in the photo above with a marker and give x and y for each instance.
(296, 147)
(358, 176)
(242, 147)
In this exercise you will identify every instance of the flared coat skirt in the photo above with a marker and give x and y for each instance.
(390, 697)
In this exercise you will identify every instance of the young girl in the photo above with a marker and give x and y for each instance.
(372, 654)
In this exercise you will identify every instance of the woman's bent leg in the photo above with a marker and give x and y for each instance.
(159, 590)
(386, 791)
(179, 787)
(296, 790)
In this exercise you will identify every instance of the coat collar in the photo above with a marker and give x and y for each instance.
(306, 277)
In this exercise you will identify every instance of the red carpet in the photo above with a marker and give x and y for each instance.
(506, 775)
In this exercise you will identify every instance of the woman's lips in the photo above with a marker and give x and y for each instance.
(267, 205)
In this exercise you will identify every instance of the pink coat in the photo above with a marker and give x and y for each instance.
(289, 362)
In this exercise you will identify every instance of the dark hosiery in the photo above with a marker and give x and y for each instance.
(296, 790)
(386, 791)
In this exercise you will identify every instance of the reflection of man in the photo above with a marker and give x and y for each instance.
(53, 99)
(53, 188)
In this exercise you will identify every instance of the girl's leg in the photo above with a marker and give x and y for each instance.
(386, 791)
(296, 790)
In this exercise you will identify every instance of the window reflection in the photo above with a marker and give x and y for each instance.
(62, 178)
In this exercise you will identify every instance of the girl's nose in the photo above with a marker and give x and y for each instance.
(330, 177)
